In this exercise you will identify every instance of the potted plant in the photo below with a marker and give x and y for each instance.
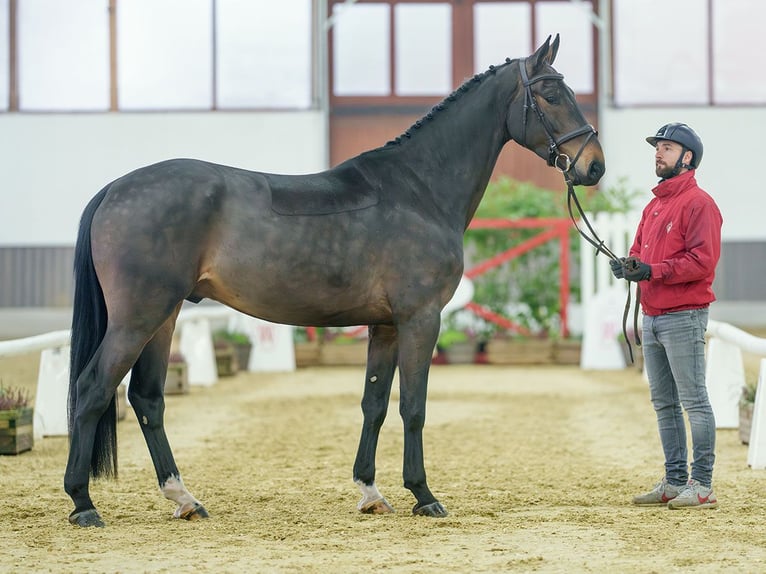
(746, 406)
(457, 345)
(242, 346)
(16, 417)
(306, 346)
(232, 351)
(343, 346)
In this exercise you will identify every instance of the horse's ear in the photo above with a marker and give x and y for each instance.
(546, 53)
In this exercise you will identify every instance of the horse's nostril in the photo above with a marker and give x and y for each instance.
(596, 170)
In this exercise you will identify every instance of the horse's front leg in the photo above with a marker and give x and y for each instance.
(381, 365)
(146, 394)
(417, 339)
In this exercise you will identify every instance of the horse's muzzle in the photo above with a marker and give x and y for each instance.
(595, 170)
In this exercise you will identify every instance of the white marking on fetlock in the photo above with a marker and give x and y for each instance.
(370, 494)
(174, 489)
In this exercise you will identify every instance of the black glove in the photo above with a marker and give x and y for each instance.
(618, 267)
(637, 270)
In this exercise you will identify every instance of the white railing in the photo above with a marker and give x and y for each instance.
(726, 378)
(272, 351)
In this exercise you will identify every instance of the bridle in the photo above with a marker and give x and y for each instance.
(564, 164)
(530, 101)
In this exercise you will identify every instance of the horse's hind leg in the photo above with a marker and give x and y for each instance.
(146, 394)
(96, 386)
(381, 365)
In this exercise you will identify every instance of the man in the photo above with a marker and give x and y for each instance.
(673, 256)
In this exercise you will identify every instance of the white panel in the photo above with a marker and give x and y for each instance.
(362, 44)
(654, 62)
(737, 52)
(501, 30)
(63, 55)
(4, 64)
(164, 54)
(80, 153)
(423, 49)
(571, 20)
(264, 53)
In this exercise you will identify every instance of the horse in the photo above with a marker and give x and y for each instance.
(375, 241)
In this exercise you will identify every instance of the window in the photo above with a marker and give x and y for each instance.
(264, 55)
(63, 55)
(164, 61)
(5, 42)
(98, 55)
(492, 42)
(575, 58)
(701, 52)
(423, 67)
(737, 52)
(362, 50)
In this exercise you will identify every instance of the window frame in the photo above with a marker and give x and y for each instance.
(314, 86)
(710, 99)
(462, 55)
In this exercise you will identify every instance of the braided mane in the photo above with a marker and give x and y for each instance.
(454, 96)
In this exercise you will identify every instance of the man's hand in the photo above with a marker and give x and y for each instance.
(618, 267)
(637, 270)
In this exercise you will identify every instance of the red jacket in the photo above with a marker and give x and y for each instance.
(680, 237)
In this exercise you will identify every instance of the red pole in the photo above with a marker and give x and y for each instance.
(564, 284)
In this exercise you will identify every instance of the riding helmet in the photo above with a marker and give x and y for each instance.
(681, 134)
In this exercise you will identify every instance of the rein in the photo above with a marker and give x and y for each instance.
(598, 243)
(564, 164)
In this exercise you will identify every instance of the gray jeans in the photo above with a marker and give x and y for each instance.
(674, 357)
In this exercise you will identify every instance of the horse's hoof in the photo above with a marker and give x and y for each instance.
(194, 513)
(380, 506)
(435, 510)
(86, 518)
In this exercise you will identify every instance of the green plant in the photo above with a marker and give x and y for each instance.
(233, 337)
(526, 288)
(748, 393)
(449, 337)
(13, 398)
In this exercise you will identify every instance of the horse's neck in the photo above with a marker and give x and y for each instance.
(453, 154)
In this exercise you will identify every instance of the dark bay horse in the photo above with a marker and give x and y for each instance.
(377, 241)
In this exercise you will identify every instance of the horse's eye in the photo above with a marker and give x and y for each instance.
(552, 99)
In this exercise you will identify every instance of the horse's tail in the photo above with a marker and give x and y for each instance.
(88, 327)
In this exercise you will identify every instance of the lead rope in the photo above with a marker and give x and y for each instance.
(598, 243)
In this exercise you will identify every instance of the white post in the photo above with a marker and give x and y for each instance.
(725, 376)
(50, 417)
(756, 452)
(196, 346)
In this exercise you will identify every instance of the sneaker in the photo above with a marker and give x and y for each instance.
(662, 493)
(695, 495)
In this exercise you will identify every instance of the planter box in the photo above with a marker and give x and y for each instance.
(226, 361)
(567, 352)
(461, 353)
(338, 354)
(307, 354)
(745, 421)
(520, 351)
(16, 431)
(177, 380)
(243, 350)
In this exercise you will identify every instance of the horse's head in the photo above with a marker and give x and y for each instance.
(546, 119)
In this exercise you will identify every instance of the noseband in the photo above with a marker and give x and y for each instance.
(560, 161)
